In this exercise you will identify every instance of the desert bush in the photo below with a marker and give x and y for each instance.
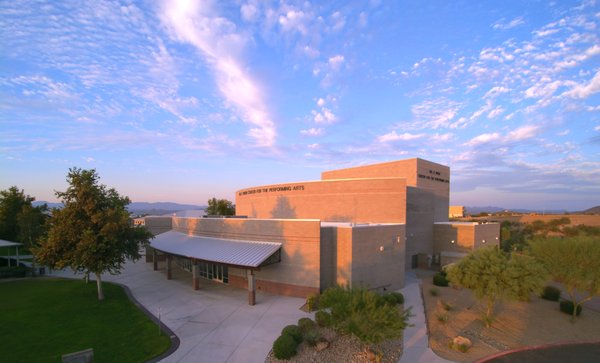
(434, 291)
(442, 317)
(284, 347)
(306, 324)
(398, 296)
(312, 336)
(293, 331)
(439, 279)
(312, 302)
(550, 293)
(393, 298)
(446, 306)
(567, 306)
(323, 318)
(363, 313)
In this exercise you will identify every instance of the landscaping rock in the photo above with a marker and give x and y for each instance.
(461, 343)
(321, 345)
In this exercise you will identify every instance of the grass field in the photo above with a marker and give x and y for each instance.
(41, 319)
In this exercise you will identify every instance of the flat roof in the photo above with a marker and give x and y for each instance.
(227, 251)
(4, 243)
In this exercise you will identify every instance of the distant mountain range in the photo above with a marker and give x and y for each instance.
(143, 207)
(161, 208)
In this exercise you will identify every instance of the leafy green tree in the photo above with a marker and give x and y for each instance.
(31, 223)
(220, 207)
(363, 313)
(12, 202)
(572, 261)
(92, 233)
(493, 274)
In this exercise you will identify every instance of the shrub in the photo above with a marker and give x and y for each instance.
(284, 347)
(363, 313)
(442, 317)
(439, 279)
(551, 293)
(567, 306)
(311, 337)
(323, 318)
(390, 299)
(434, 291)
(293, 331)
(312, 302)
(398, 296)
(446, 306)
(306, 324)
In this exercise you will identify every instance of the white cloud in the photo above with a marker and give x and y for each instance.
(249, 12)
(496, 91)
(312, 132)
(324, 116)
(495, 112)
(294, 21)
(502, 25)
(320, 102)
(483, 139)
(338, 20)
(597, 128)
(310, 51)
(393, 136)
(220, 44)
(523, 133)
(336, 61)
(563, 133)
(585, 90)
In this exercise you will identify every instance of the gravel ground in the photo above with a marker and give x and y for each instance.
(344, 348)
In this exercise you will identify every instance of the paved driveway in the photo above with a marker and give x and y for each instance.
(215, 323)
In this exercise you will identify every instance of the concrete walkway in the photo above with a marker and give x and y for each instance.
(215, 323)
(416, 341)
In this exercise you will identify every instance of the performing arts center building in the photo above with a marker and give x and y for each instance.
(364, 226)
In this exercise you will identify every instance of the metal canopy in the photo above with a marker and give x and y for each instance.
(226, 251)
(4, 243)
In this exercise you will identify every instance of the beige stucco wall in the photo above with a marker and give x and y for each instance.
(300, 252)
(353, 200)
(157, 225)
(419, 173)
(352, 255)
(466, 236)
(372, 267)
(420, 214)
(456, 211)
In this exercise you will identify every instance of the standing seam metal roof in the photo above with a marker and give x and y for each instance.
(233, 252)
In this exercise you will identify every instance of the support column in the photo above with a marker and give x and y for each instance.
(169, 274)
(195, 275)
(154, 259)
(251, 288)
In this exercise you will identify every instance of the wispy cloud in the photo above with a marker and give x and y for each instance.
(502, 24)
(219, 42)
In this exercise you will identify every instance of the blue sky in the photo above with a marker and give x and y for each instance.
(184, 100)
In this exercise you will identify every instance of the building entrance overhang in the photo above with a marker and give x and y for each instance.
(249, 255)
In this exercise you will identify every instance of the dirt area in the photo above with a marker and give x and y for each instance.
(342, 349)
(517, 324)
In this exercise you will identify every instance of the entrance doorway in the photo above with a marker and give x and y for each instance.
(213, 271)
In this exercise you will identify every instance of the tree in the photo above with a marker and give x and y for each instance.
(220, 207)
(572, 261)
(493, 274)
(92, 233)
(12, 202)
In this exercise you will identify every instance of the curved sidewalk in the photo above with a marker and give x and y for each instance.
(215, 323)
(416, 341)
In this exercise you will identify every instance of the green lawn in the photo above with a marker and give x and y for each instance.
(41, 319)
